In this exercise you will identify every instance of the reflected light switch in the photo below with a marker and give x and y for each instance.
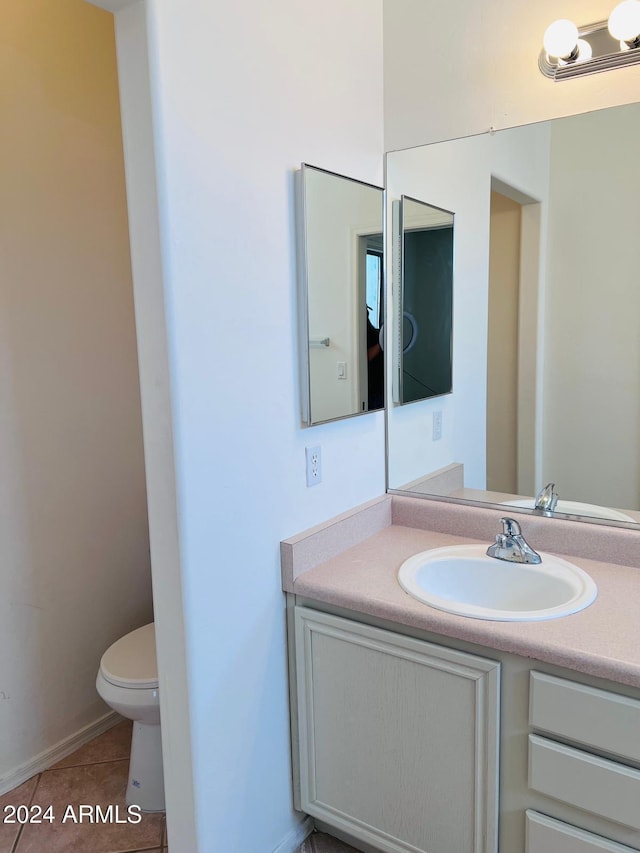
(437, 426)
(342, 370)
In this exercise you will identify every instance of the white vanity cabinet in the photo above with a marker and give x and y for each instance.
(397, 737)
(584, 752)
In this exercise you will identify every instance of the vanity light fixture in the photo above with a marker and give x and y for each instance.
(571, 51)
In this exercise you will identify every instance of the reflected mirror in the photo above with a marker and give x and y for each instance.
(341, 263)
(424, 238)
(546, 354)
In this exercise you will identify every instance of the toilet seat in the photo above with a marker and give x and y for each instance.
(131, 661)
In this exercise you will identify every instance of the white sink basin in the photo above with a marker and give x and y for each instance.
(462, 579)
(577, 508)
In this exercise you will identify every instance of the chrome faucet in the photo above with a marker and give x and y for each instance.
(511, 545)
(546, 499)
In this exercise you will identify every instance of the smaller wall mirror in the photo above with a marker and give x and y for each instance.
(340, 274)
(423, 334)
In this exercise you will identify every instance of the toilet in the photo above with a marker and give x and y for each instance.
(128, 681)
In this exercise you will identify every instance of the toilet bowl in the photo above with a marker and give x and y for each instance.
(128, 682)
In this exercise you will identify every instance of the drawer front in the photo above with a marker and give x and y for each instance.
(591, 783)
(545, 835)
(593, 717)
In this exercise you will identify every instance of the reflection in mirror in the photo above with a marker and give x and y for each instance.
(341, 262)
(546, 355)
(424, 315)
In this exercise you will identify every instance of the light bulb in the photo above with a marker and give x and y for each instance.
(584, 51)
(624, 21)
(560, 38)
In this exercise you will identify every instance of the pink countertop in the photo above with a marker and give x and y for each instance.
(603, 640)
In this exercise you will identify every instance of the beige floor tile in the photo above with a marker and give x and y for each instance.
(113, 745)
(20, 796)
(90, 785)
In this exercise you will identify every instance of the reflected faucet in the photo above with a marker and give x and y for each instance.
(511, 545)
(546, 499)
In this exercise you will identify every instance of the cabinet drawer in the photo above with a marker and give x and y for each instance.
(545, 835)
(591, 783)
(586, 715)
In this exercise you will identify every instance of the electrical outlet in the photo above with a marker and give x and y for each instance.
(437, 426)
(314, 465)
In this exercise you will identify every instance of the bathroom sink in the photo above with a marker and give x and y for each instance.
(577, 508)
(462, 579)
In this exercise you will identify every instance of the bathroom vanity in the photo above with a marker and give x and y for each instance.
(419, 730)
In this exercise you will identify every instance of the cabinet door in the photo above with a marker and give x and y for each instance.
(398, 737)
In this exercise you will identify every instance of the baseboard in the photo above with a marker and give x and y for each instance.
(295, 838)
(56, 753)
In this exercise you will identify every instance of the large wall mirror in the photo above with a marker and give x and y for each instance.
(546, 350)
(341, 305)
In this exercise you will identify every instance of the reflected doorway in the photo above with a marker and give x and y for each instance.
(514, 346)
(502, 344)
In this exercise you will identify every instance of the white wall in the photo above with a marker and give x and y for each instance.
(592, 393)
(73, 516)
(461, 67)
(241, 97)
(155, 385)
(457, 176)
(226, 162)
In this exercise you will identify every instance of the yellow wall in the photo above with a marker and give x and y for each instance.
(74, 555)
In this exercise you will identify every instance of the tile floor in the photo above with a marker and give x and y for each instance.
(96, 774)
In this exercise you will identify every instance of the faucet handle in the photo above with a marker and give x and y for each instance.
(546, 500)
(511, 545)
(510, 527)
